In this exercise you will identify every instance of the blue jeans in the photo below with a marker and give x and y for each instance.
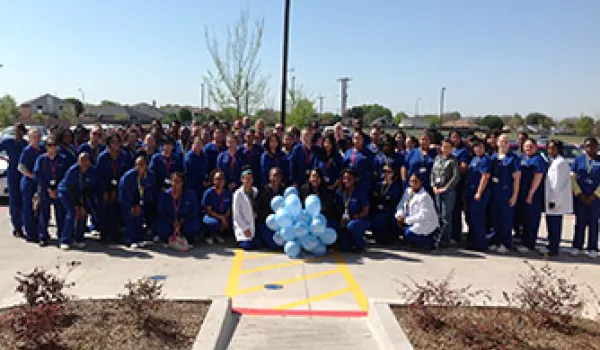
(444, 204)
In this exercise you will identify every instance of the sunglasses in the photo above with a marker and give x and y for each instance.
(50, 145)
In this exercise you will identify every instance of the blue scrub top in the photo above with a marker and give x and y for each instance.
(28, 158)
(212, 152)
(93, 152)
(13, 149)
(70, 153)
(219, 203)
(529, 167)
(503, 170)
(362, 163)
(353, 203)
(77, 186)
(269, 161)
(194, 167)
(231, 165)
(421, 164)
(462, 154)
(587, 173)
(46, 170)
(301, 161)
(109, 170)
(331, 167)
(188, 206)
(158, 165)
(478, 167)
(129, 191)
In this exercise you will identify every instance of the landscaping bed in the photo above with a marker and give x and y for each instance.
(450, 328)
(106, 325)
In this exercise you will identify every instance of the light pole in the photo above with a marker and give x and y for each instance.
(82, 95)
(417, 106)
(442, 93)
(201, 95)
(284, 69)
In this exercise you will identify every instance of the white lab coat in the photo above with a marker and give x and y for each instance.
(243, 214)
(421, 212)
(558, 187)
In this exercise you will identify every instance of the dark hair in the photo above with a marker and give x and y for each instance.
(349, 171)
(593, 140)
(213, 173)
(319, 173)
(478, 142)
(178, 174)
(61, 135)
(268, 142)
(331, 140)
(558, 144)
(316, 136)
(414, 140)
(112, 137)
(447, 140)
(168, 140)
(526, 135)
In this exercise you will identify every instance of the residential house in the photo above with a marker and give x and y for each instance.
(142, 113)
(47, 105)
(414, 123)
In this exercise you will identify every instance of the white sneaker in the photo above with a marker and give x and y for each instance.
(156, 239)
(502, 249)
(493, 248)
(209, 241)
(64, 246)
(220, 239)
(145, 244)
(575, 252)
(543, 250)
(79, 245)
(592, 254)
(134, 246)
(522, 249)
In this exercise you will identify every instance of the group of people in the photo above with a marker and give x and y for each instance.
(207, 182)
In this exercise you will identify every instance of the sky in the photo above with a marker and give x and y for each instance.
(493, 57)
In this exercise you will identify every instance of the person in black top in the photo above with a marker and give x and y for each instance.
(316, 185)
(263, 206)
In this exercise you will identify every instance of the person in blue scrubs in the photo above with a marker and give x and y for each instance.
(530, 202)
(355, 216)
(13, 148)
(49, 170)
(112, 164)
(462, 154)
(478, 196)
(252, 153)
(137, 196)
(165, 163)
(231, 162)
(329, 162)
(387, 156)
(360, 159)
(66, 147)
(420, 161)
(263, 207)
(75, 191)
(29, 185)
(194, 167)
(585, 172)
(94, 148)
(274, 158)
(384, 198)
(217, 206)
(148, 148)
(504, 186)
(213, 149)
(302, 158)
(130, 144)
(178, 211)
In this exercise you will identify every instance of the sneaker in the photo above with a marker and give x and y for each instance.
(493, 248)
(64, 246)
(79, 245)
(522, 249)
(209, 241)
(575, 252)
(43, 243)
(502, 249)
(220, 240)
(592, 254)
(134, 246)
(156, 239)
(543, 250)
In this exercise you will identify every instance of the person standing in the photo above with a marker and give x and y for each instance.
(165, 163)
(420, 161)
(387, 156)
(478, 196)
(252, 152)
(462, 154)
(559, 200)
(14, 148)
(302, 158)
(360, 159)
(231, 162)
(94, 147)
(585, 172)
(445, 176)
(194, 167)
(28, 183)
(273, 157)
(329, 162)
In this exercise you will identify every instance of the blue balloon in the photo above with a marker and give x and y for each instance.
(309, 242)
(318, 224)
(292, 249)
(301, 229)
(278, 239)
(277, 203)
(293, 204)
(289, 191)
(313, 205)
(272, 222)
(288, 233)
(320, 250)
(329, 236)
(283, 218)
(304, 217)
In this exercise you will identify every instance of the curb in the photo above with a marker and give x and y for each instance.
(385, 328)
(218, 326)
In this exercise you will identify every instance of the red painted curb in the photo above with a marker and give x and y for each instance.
(316, 313)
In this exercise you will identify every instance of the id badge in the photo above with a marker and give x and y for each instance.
(168, 182)
(141, 202)
(52, 183)
(589, 181)
(438, 180)
(326, 178)
(114, 182)
(381, 207)
(495, 179)
(346, 215)
(423, 170)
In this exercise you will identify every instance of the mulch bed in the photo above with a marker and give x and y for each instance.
(100, 324)
(494, 328)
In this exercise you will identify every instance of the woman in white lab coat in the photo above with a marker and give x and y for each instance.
(244, 212)
(559, 200)
(416, 215)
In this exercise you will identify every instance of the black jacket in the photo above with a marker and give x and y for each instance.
(263, 202)
(329, 206)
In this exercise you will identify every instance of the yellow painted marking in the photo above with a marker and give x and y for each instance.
(359, 296)
(234, 274)
(259, 255)
(313, 299)
(287, 281)
(275, 266)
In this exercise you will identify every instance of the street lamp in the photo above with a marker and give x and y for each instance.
(417, 106)
(82, 95)
(284, 69)
(442, 95)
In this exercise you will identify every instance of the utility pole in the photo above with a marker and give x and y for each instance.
(247, 98)
(442, 93)
(82, 94)
(344, 93)
(202, 96)
(321, 98)
(284, 69)
(417, 106)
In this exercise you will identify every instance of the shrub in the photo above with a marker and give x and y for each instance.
(141, 300)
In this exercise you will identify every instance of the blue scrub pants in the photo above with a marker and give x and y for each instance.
(15, 201)
(44, 217)
(427, 242)
(444, 204)
(252, 244)
(133, 226)
(383, 226)
(503, 216)
(354, 237)
(586, 217)
(266, 237)
(212, 225)
(190, 230)
(72, 226)
(28, 189)
(109, 215)
(531, 216)
(554, 228)
(476, 211)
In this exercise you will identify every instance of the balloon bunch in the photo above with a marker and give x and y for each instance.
(298, 229)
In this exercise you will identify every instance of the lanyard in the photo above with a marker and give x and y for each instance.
(167, 165)
(347, 198)
(231, 162)
(53, 167)
(385, 189)
(407, 205)
(249, 156)
(353, 157)
(589, 166)
(114, 164)
(140, 188)
(307, 155)
(176, 205)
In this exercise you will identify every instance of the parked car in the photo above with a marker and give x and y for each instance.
(9, 132)
(3, 175)
(346, 131)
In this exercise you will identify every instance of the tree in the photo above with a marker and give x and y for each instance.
(8, 110)
(109, 103)
(584, 126)
(236, 75)
(78, 105)
(328, 118)
(433, 120)
(227, 114)
(515, 121)
(68, 114)
(375, 111)
(399, 116)
(450, 116)
(185, 115)
(537, 118)
(302, 113)
(120, 117)
(492, 122)
(270, 116)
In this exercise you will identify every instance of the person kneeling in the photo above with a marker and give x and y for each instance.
(244, 213)
(417, 217)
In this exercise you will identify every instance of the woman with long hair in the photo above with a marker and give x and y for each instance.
(329, 162)
(273, 157)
